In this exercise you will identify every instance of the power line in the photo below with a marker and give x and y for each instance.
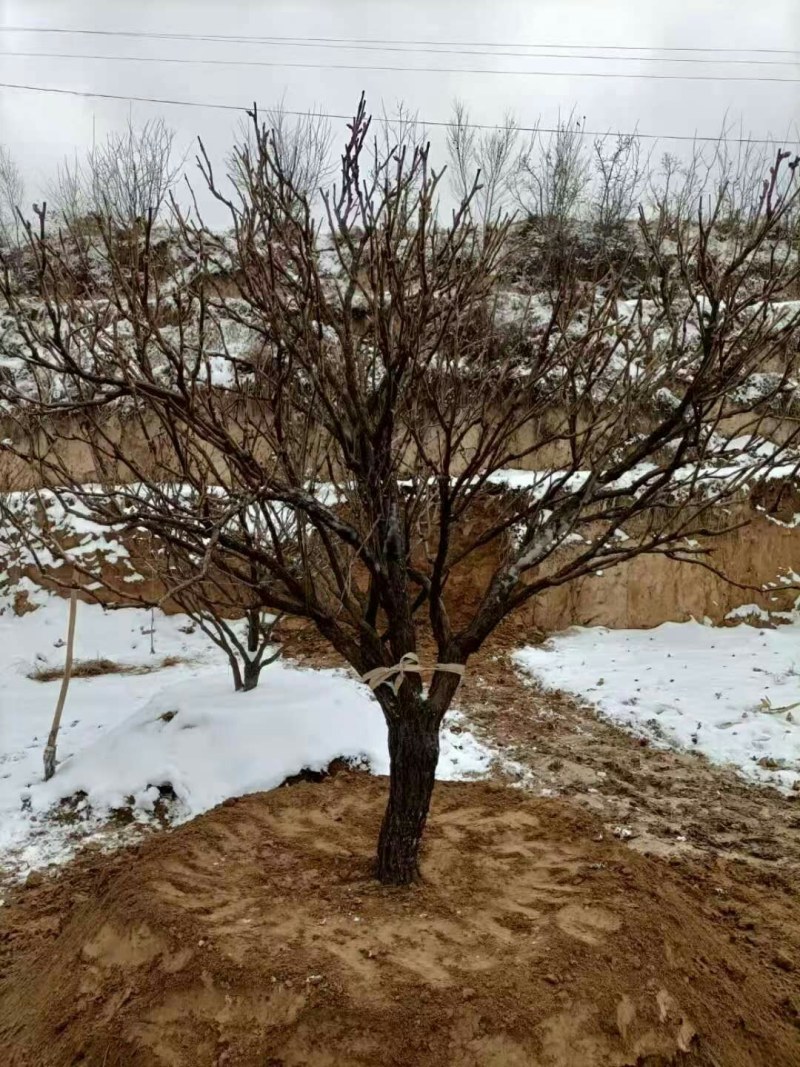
(248, 39)
(59, 91)
(167, 101)
(282, 65)
(282, 42)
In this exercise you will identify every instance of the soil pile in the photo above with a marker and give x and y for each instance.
(255, 936)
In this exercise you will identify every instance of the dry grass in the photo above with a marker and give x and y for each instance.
(93, 668)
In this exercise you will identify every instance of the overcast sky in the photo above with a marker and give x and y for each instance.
(40, 130)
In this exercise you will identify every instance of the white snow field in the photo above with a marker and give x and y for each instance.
(125, 735)
(731, 693)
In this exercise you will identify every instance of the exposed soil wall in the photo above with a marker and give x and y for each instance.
(644, 592)
(652, 589)
(150, 453)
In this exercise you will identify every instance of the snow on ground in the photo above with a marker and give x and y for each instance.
(725, 692)
(125, 735)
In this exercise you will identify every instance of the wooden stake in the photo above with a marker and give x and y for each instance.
(50, 749)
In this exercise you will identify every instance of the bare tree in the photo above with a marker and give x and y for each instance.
(222, 605)
(302, 141)
(12, 193)
(398, 128)
(553, 177)
(374, 435)
(164, 576)
(734, 180)
(126, 178)
(488, 153)
(620, 173)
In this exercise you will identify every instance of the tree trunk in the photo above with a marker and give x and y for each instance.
(236, 672)
(253, 630)
(252, 672)
(413, 755)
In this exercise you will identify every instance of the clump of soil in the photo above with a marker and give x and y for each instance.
(256, 936)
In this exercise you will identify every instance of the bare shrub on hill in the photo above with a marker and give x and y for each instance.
(620, 171)
(552, 181)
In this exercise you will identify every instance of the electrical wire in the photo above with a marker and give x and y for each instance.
(346, 41)
(283, 65)
(280, 42)
(167, 101)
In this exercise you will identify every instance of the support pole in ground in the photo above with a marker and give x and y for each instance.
(50, 748)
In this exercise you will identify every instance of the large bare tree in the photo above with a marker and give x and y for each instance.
(400, 412)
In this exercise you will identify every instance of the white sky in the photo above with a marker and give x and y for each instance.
(40, 129)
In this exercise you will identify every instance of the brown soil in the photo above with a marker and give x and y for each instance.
(255, 936)
(666, 802)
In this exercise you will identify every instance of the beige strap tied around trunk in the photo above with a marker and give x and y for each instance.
(409, 664)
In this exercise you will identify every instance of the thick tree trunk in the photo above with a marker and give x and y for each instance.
(247, 679)
(413, 755)
(252, 672)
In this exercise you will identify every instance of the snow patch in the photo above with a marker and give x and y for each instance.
(727, 692)
(125, 737)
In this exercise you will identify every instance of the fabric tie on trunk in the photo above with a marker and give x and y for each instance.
(408, 664)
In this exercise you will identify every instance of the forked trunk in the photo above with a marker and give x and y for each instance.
(252, 672)
(413, 755)
(247, 679)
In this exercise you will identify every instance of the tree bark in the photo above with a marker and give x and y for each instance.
(238, 685)
(253, 630)
(252, 672)
(413, 755)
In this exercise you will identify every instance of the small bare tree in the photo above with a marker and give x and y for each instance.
(125, 179)
(225, 607)
(302, 141)
(490, 154)
(620, 173)
(553, 177)
(12, 193)
(223, 604)
(399, 127)
(374, 434)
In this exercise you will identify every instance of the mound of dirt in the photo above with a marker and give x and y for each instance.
(255, 936)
